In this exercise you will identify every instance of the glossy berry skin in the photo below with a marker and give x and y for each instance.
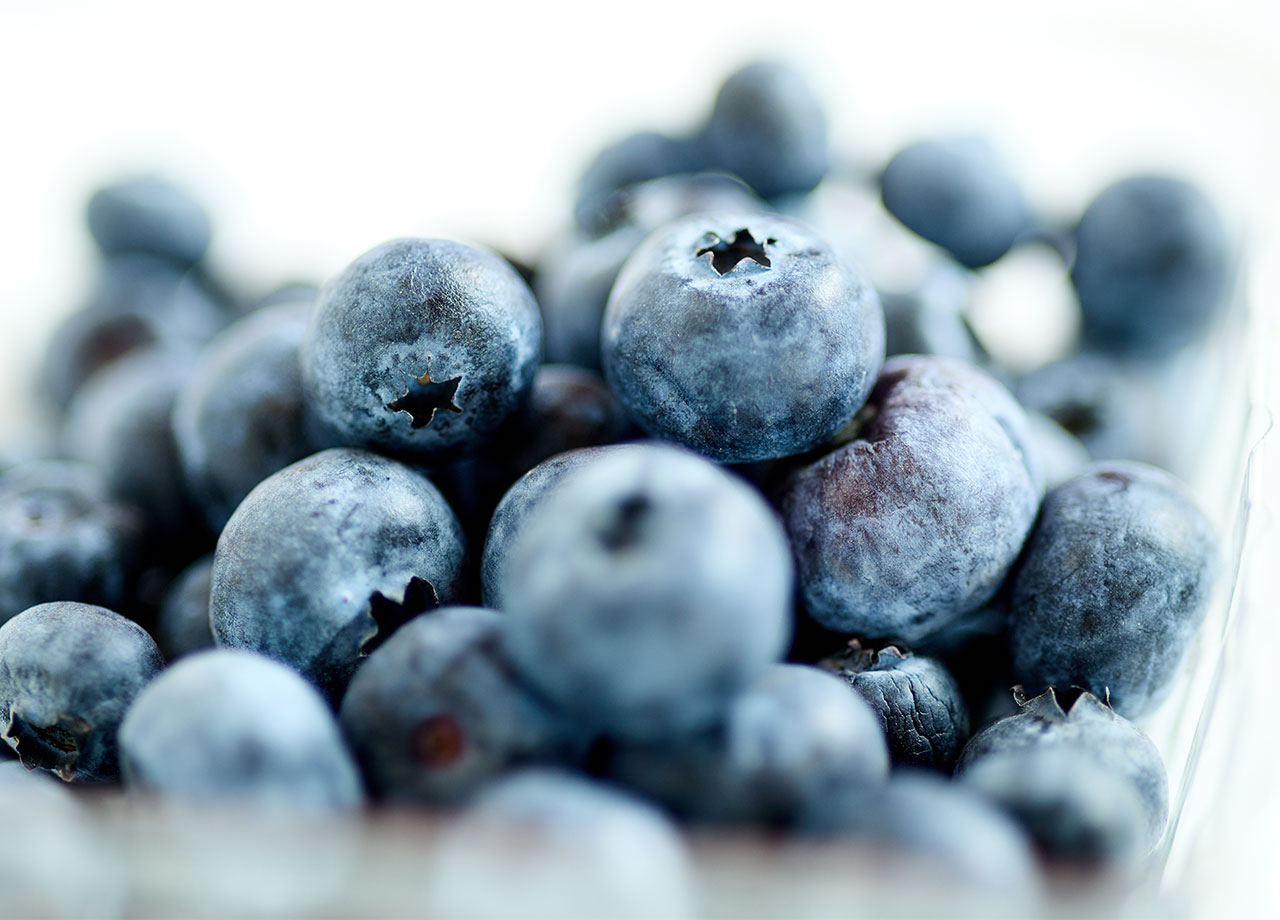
(1152, 265)
(637, 158)
(767, 127)
(783, 744)
(918, 519)
(239, 414)
(68, 671)
(743, 337)
(421, 347)
(957, 193)
(917, 702)
(61, 537)
(647, 591)
(326, 558)
(436, 713)
(1114, 583)
(231, 727)
(1077, 722)
(149, 214)
(182, 626)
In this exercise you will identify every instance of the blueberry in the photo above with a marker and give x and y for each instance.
(512, 514)
(1077, 722)
(917, 702)
(917, 521)
(767, 127)
(183, 623)
(647, 591)
(744, 337)
(1152, 265)
(68, 671)
(930, 319)
(636, 158)
(1075, 810)
(550, 844)
(576, 275)
(239, 414)
(61, 537)
(1090, 396)
(1115, 580)
(149, 214)
(785, 741)
(958, 193)
(436, 712)
(1062, 455)
(233, 727)
(326, 558)
(422, 347)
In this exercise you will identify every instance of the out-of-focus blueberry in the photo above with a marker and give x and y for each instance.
(422, 347)
(1062, 455)
(784, 743)
(182, 626)
(1115, 580)
(1089, 395)
(436, 712)
(68, 671)
(239, 414)
(636, 158)
(1152, 265)
(767, 127)
(647, 591)
(236, 728)
(328, 557)
(742, 336)
(917, 520)
(149, 214)
(958, 193)
(62, 538)
(930, 320)
(1075, 722)
(917, 701)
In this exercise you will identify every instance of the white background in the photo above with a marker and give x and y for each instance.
(315, 131)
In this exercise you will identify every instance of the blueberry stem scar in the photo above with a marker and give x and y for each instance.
(389, 615)
(725, 256)
(423, 397)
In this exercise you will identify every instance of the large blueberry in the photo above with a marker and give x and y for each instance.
(647, 591)
(917, 520)
(917, 701)
(62, 538)
(233, 727)
(1152, 264)
(784, 743)
(436, 712)
(767, 127)
(67, 673)
(239, 415)
(149, 214)
(959, 194)
(1077, 722)
(1115, 580)
(742, 336)
(326, 558)
(422, 347)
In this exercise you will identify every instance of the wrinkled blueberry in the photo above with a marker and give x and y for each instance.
(149, 214)
(436, 712)
(422, 347)
(917, 521)
(647, 591)
(744, 337)
(182, 626)
(767, 127)
(68, 671)
(239, 415)
(1115, 580)
(1077, 722)
(1152, 265)
(783, 744)
(328, 557)
(233, 727)
(917, 701)
(959, 194)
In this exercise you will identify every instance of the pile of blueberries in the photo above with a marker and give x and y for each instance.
(757, 545)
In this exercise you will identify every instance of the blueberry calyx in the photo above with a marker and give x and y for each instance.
(389, 615)
(53, 747)
(438, 741)
(856, 657)
(725, 256)
(623, 528)
(1056, 702)
(424, 397)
